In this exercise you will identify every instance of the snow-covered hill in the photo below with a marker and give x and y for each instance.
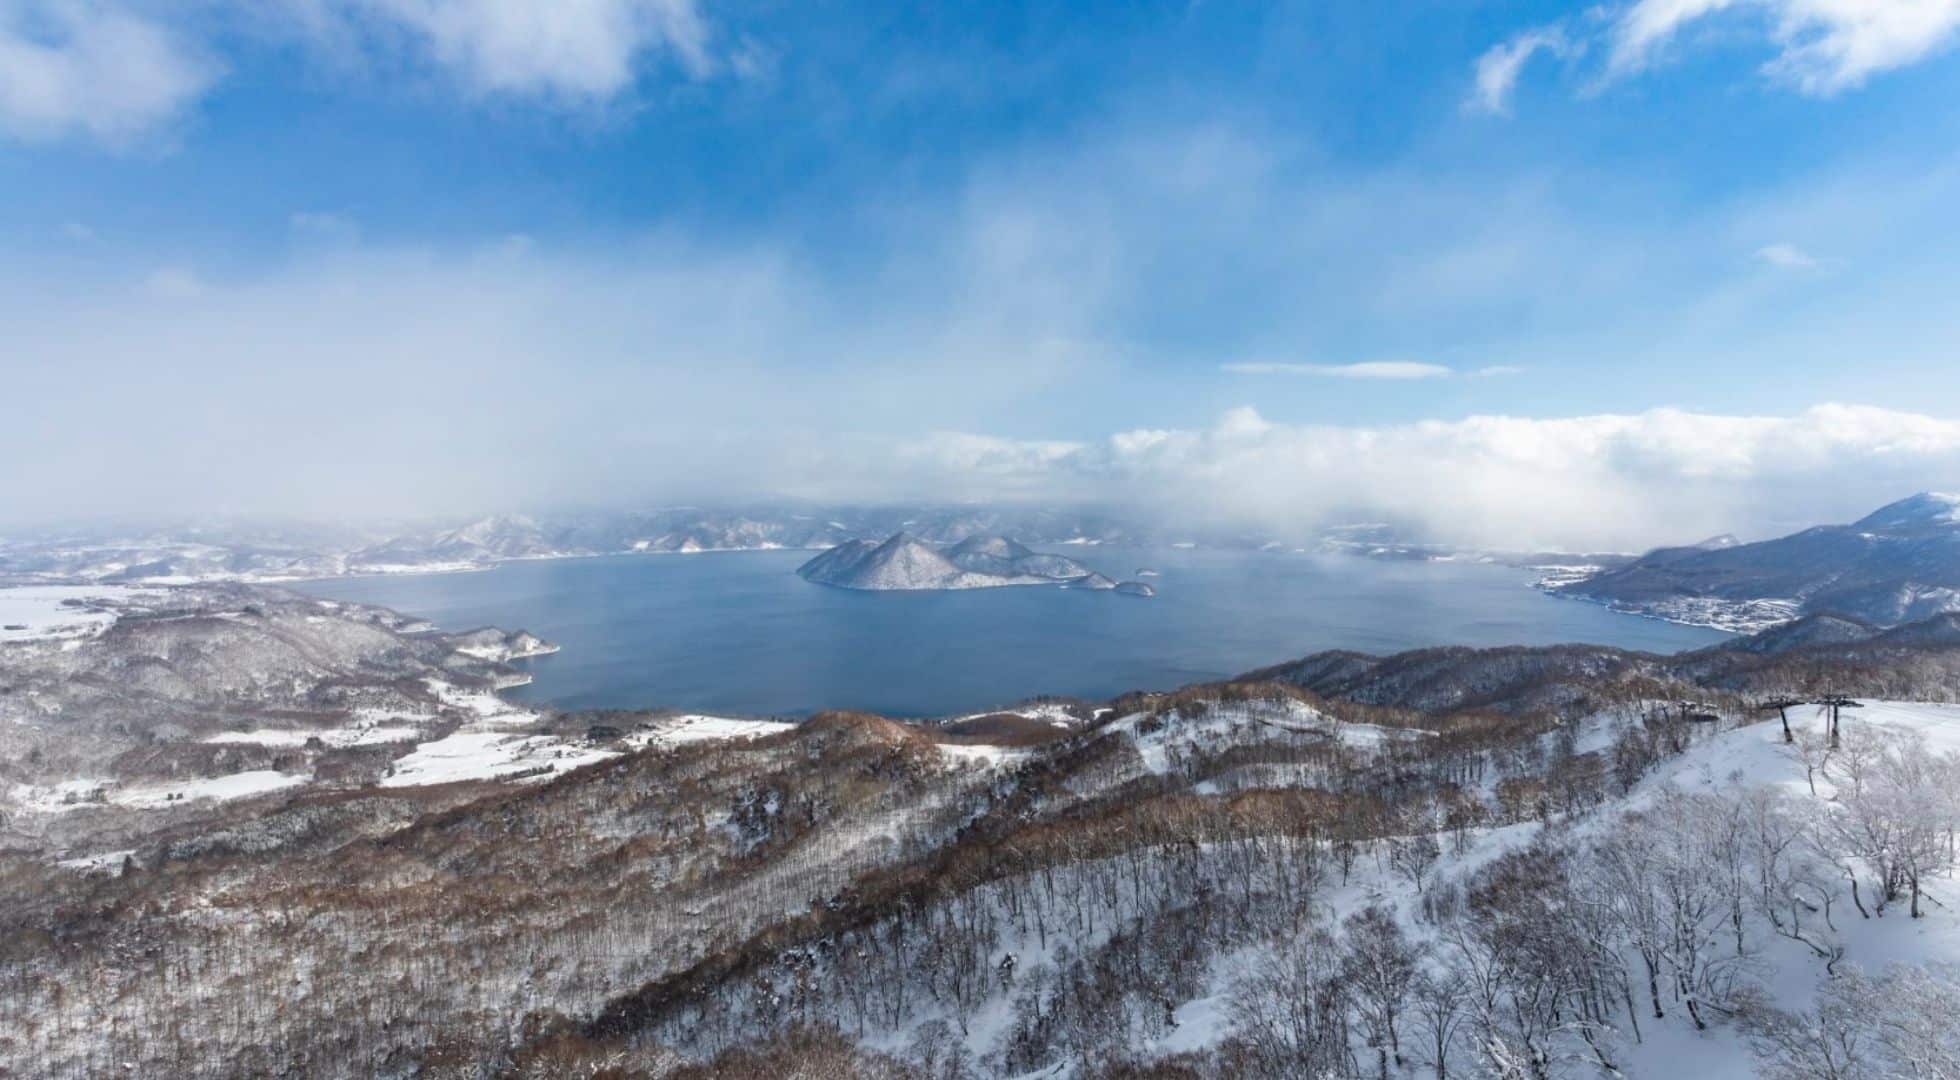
(903, 562)
(1899, 564)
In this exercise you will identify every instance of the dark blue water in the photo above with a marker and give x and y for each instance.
(740, 632)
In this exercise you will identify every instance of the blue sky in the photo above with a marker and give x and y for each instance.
(457, 253)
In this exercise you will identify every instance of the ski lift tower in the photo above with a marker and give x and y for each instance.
(1836, 702)
(1782, 707)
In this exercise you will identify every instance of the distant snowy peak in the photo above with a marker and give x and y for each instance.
(1898, 564)
(903, 562)
(1929, 508)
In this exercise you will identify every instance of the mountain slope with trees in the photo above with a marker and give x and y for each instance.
(1516, 863)
(1899, 564)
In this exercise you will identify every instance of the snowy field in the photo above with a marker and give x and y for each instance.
(49, 612)
(681, 730)
(77, 794)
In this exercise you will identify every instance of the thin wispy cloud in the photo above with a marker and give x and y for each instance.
(1373, 369)
(1499, 69)
(1786, 256)
(1820, 48)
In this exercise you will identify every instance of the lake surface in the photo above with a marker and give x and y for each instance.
(739, 632)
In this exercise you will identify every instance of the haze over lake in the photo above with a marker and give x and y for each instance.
(740, 632)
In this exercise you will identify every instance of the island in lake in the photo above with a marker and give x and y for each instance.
(903, 562)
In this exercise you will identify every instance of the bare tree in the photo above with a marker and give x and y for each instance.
(1380, 966)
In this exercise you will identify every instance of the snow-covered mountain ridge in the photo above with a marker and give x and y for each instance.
(1898, 564)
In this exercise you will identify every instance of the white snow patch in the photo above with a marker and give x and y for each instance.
(235, 786)
(104, 861)
(680, 730)
(47, 612)
(984, 754)
(488, 755)
(361, 734)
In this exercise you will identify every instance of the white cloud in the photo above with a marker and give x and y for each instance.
(454, 377)
(1613, 480)
(1823, 46)
(1786, 256)
(1496, 371)
(577, 50)
(1498, 69)
(1374, 369)
(1645, 27)
(93, 68)
(119, 70)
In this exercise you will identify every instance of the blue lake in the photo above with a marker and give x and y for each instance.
(739, 632)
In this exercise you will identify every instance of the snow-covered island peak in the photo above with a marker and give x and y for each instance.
(903, 562)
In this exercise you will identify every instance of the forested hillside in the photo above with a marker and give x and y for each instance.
(1516, 863)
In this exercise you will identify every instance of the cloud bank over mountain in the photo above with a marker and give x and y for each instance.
(1198, 316)
(1597, 481)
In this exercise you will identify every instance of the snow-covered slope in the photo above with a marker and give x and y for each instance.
(1898, 564)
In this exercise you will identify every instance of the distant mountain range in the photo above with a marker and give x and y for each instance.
(246, 553)
(1898, 564)
(903, 562)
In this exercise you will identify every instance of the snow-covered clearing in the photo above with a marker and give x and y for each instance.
(680, 730)
(484, 705)
(477, 754)
(78, 794)
(1161, 738)
(359, 734)
(99, 862)
(1046, 712)
(983, 754)
(235, 786)
(485, 748)
(47, 612)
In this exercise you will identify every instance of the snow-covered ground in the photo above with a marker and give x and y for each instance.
(680, 730)
(334, 737)
(485, 748)
(485, 707)
(100, 861)
(45, 612)
(1724, 764)
(982, 753)
(1043, 712)
(234, 786)
(479, 754)
(77, 794)
(1727, 764)
(1734, 616)
(1159, 739)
